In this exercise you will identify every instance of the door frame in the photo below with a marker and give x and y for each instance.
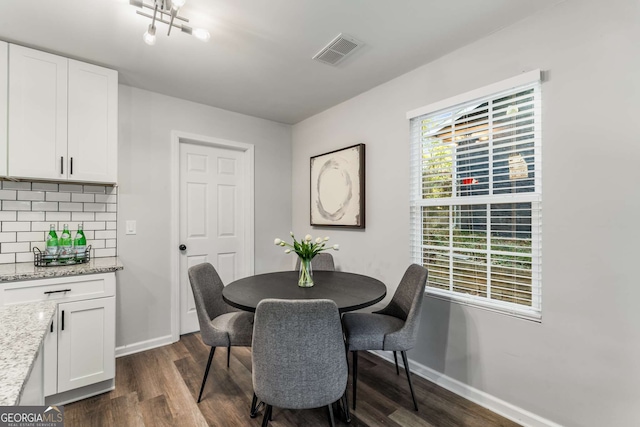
(178, 137)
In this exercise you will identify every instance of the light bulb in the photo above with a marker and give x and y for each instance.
(177, 4)
(201, 34)
(149, 36)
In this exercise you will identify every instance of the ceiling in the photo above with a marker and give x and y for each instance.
(258, 61)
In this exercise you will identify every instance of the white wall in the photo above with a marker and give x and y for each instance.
(581, 365)
(146, 120)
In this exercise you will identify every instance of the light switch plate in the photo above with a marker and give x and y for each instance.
(131, 227)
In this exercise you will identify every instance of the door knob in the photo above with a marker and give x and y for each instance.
(183, 247)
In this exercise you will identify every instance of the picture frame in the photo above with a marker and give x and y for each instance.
(337, 190)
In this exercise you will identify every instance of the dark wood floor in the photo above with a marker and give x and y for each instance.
(159, 387)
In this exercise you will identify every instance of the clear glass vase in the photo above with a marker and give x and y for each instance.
(305, 280)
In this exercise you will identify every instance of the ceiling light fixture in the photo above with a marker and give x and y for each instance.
(149, 36)
(166, 11)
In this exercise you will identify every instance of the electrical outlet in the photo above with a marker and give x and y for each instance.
(131, 227)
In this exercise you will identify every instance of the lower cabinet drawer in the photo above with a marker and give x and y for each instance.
(61, 289)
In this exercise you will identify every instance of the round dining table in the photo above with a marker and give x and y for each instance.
(348, 290)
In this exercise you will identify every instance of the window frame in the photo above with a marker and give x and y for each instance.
(418, 202)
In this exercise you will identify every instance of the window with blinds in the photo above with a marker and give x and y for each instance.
(476, 196)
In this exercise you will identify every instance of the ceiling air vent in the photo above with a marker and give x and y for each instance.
(339, 48)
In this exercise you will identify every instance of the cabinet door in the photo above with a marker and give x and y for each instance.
(37, 114)
(93, 123)
(86, 342)
(50, 345)
(4, 69)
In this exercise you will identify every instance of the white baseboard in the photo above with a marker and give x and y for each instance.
(128, 349)
(499, 406)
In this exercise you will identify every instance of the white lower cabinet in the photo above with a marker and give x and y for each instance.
(79, 346)
(86, 342)
(33, 392)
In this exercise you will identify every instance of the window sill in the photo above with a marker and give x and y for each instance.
(481, 303)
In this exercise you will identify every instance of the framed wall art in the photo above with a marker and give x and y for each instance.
(337, 188)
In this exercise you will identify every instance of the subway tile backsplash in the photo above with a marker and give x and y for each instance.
(28, 208)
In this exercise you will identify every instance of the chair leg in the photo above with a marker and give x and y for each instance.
(206, 372)
(395, 357)
(228, 354)
(267, 416)
(332, 422)
(346, 354)
(254, 406)
(406, 368)
(355, 376)
(344, 403)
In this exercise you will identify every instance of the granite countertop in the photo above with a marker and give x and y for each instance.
(28, 271)
(22, 329)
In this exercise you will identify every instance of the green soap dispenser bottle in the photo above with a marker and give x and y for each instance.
(65, 245)
(52, 243)
(80, 244)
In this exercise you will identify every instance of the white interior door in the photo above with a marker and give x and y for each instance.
(212, 220)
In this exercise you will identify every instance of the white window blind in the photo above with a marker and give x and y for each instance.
(476, 197)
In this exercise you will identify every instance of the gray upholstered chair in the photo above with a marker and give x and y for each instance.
(321, 262)
(394, 328)
(220, 324)
(298, 355)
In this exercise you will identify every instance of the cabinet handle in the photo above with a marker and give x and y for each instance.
(61, 165)
(52, 326)
(63, 320)
(55, 292)
(71, 167)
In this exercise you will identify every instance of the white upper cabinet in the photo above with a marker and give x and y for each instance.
(93, 123)
(37, 114)
(62, 118)
(4, 69)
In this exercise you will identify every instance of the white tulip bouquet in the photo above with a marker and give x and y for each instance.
(306, 249)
